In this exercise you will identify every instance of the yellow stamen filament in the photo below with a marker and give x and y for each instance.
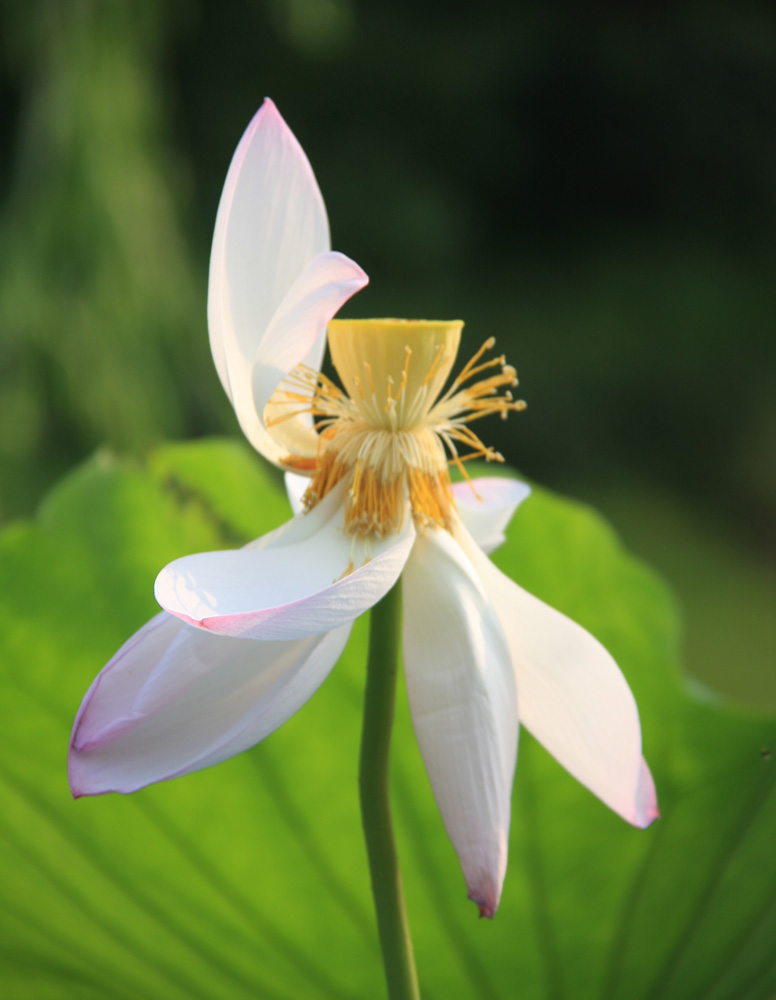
(436, 364)
(394, 448)
(346, 572)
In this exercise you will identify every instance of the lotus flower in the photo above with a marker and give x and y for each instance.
(247, 636)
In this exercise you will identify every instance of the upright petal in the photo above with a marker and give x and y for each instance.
(305, 578)
(573, 696)
(176, 699)
(462, 699)
(486, 506)
(271, 221)
(271, 224)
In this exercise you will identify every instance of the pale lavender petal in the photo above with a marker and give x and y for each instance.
(486, 506)
(176, 699)
(305, 578)
(463, 704)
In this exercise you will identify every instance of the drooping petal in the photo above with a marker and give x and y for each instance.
(572, 695)
(176, 699)
(486, 507)
(302, 579)
(462, 698)
(646, 798)
(292, 336)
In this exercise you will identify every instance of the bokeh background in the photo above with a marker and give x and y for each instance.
(594, 185)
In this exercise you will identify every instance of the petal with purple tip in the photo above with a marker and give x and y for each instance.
(462, 698)
(271, 225)
(572, 695)
(176, 699)
(271, 222)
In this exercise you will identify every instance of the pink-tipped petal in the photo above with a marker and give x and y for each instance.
(572, 695)
(463, 704)
(176, 699)
(486, 506)
(292, 336)
(305, 578)
(271, 224)
(271, 221)
(646, 811)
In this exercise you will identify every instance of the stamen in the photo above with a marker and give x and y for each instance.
(395, 448)
(348, 570)
(436, 364)
(368, 368)
(465, 373)
(405, 372)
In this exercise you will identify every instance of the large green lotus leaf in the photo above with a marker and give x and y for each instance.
(250, 879)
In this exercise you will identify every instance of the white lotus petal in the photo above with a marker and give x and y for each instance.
(305, 578)
(176, 699)
(271, 224)
(462, 699)
(486, 507)
(271, 221)
(295, 490)
(646, 798)
(572, 695)
(297, 325)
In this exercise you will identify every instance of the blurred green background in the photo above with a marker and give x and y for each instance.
(595, 186)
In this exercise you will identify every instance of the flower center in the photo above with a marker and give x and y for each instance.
(390, 432)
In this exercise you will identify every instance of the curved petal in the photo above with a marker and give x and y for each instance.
(463, 704)
(646, 798)
(305, 578)
(271, 221)
(298, 324)
(176, 699)
(271, 224)
(486, 507)
(573, 697)
(295, 490)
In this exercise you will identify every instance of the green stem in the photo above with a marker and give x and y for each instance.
(382, 668)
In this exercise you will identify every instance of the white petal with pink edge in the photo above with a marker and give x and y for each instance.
(271, 222)
(326, 283)
(462, 698)
(175, 699)
(486, 506)
(572, 695)
(302, 579)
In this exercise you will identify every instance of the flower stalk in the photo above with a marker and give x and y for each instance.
(374, 769)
